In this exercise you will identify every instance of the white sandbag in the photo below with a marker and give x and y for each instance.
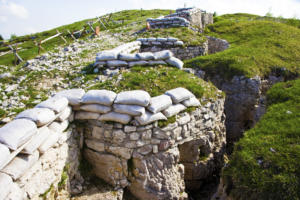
(191, 102)
(64, 114)
(73, 95)
(148, 118)
(163, 55)
(36, 141)
(6, 185)
(82, 115)
(40, 116)
(4, 155)
(128, 57)
(59, 127)
(175, 62)
(116, 117)
(174, 109)
(97, 108)
(49, 142)
(157, 62)
(20, 164)
(57, 104)
(146, 56)
(132, 110)
(116, 63)
(134, 97)
(17, 132)
(107, 55)
(103, 97)
(138, 63)
(159, 103)
(179, 94)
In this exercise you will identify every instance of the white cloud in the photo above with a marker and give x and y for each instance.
(3, 18)
(10, 9)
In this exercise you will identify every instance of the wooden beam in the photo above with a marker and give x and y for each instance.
(71, 34)
(102, 23)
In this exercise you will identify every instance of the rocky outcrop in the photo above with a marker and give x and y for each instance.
(245, 101)
(216, 45)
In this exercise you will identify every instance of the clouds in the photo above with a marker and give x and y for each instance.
(11, 9)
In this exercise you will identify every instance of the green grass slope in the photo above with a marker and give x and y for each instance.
(125, 21)
(265, 163)
(258, 46)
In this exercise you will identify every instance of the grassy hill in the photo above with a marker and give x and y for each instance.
(265, 163)
(259, 46)
(124, 21)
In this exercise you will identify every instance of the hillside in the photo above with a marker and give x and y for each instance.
(259, 46)
(263, 51)
(265, 163)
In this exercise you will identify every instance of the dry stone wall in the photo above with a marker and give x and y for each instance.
(145, 158)
(183, 17)
(122, 141)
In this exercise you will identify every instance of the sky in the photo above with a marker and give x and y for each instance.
(22, 17)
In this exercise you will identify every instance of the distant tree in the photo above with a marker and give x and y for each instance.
(1, 38)
(13, 36)
(269, 13)
(215, 14)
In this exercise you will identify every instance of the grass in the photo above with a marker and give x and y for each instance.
(188, 36)
(258, 47)
(157, 80)
(265, 163)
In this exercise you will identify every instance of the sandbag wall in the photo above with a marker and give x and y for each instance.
(175, 46)
(127, 147)
(169, 22)
(183, 17)
(122, 57)
(35, 148)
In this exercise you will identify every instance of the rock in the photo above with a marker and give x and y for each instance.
(5, 75)
(107, 167)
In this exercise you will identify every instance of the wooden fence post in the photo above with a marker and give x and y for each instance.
(15, 52)
(71, 34)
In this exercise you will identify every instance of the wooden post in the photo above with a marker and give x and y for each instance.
(110, 15)
(102, 23)
(148, 26)
(71, 34)
(91, 27)
(15, 52)
(97, 32)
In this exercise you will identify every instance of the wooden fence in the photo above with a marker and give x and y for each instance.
(74, 35)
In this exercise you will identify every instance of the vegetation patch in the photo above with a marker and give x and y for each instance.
(185, 34)
(265, 163)
(257, 47)
(157, 80)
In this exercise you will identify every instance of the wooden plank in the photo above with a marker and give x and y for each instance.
(91, 27)
(49, 38)
(5, 53)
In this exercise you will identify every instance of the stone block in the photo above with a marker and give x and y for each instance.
(129, 129)
(134, 136)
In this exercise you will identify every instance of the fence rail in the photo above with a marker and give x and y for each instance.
(74, 35)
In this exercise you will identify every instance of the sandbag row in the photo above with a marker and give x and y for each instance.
(112, 59)
(161, 41)
(168, 22)
(133, 107)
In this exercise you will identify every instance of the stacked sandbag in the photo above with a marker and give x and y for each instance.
(127, 104)
(168, 22)
(31, 134)
(94, 103)
(169, 42)
(122, 56)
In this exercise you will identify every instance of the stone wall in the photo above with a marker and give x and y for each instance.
(183, 17)
(216, 45)
(40, 151)
(155, 162)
